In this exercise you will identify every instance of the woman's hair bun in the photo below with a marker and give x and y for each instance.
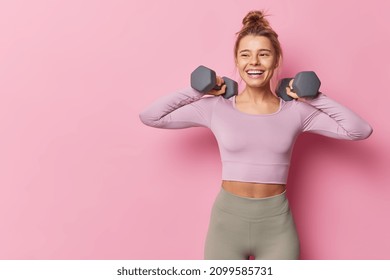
(256, 24)
(255, 18)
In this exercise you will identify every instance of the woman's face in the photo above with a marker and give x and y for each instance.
(255, 59)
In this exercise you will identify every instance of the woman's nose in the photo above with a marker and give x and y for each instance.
(255, 60)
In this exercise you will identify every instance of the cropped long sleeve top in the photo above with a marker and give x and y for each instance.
(255, 148)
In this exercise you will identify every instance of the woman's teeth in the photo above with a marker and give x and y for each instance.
(255, 73)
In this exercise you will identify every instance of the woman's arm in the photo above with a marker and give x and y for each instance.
(323, 115)
(182, 109)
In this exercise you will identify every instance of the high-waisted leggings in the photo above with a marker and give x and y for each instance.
(260, 228)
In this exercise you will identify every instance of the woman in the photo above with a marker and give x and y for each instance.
(255, 131)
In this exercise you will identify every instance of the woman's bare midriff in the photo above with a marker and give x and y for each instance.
(252, 190)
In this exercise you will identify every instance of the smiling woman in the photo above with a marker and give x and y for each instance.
(256, 60)
(256, 131)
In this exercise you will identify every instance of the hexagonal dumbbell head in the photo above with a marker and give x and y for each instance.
(306, 84)
(203, 79)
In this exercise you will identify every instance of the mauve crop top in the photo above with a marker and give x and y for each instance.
(255, 147)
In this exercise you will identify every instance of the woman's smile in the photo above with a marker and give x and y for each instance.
(255, 60)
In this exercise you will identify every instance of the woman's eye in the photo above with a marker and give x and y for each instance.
(244, 55)
(264, 54)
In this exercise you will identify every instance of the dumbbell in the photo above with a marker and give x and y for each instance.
(306, 84)
(204, 79)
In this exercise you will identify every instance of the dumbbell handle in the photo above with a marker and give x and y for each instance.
(231, 87)
(203, 79)
(217, 87)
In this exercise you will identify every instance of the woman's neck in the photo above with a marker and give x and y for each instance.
(258, 95)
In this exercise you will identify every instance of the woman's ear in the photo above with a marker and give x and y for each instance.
(277, 63)
(236, 59)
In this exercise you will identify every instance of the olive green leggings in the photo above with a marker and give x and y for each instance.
(259, 228)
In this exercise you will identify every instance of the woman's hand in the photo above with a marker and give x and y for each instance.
(219, 82)
(291, 93)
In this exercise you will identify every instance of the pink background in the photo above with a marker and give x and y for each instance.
(82, 178)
